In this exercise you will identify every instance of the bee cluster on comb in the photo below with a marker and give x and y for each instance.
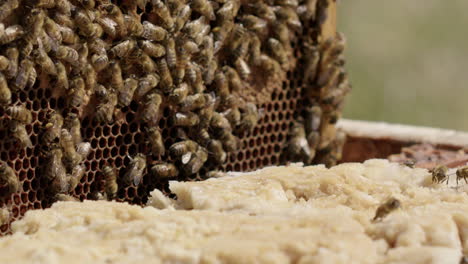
(111, 99)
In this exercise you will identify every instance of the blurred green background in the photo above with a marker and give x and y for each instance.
(408, 61)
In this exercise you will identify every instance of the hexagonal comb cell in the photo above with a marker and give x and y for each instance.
(103, 100)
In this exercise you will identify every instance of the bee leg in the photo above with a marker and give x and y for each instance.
(465, 179)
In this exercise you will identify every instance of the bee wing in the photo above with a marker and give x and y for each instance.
(137, 178)
(186, 158)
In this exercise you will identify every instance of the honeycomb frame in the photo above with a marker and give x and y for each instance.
(115, 143)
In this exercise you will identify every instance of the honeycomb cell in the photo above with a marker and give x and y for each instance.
(98, 154)
(37, 205)
(102, 142)
(22, 174)
(97, 132)
(115, 130)
(32, 196)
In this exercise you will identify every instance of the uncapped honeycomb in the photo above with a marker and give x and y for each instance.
(257, 76)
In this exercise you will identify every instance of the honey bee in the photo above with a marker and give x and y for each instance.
(23, 74)
(62, 79)
(116, 76)
(152, 49)
(196, 162)
(235, 83)
(313, 138)
(11, 33)
(4, 216)
(134, 26)
(335, 96)
(164, 14)
(194, 28)
(288, 14)
(312, 56)
(208, 75)
(151, 108)
(135, 172)
(164, 170)
(156, 142)
(32, 78)
(206, 114)
(78, 172)
(65, 198)
(254, 24)
(183, 149)
(52, 29)
(4, 63)
(117, 15)
(5, 93)
(228, 11)
(462, 173)
(386, 208)
(146, 84)
(269, 65)
(83, 149)
(46, 43)
(182, 17)
(233, 115)
(242, 68)
(307, 10)
(264, 11)
(73, 124)
(147, 64)
(70, 155)
(215, 147)
(105, 110)
(20, 113)
(166, 82)
(67, 54)
(218, 121)
(53, 128)
(193, 102)
(64, 20)
(122, 49)
(126, 94)
(108, 25)
(153, 32)
(54, 168)
(179, 72)
(250, 117)
(439, 174)
(84, 23)
(188, 45)
(203, 7)
(63, 6)
(8, 177)
(12, 54)
(230, 142)
(278, 51)
(298, 148)
(187, 119)
(313, 117)
(179, 94)
(206, 51)
(46, 63)
(7, 8)
(220, 34)
(77, 92)
(99, 61)
(221, 84)
(110, 186)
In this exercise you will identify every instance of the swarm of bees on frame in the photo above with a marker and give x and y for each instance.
(202, 61)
